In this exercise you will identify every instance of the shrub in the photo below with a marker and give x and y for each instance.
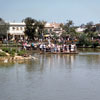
(21, 53)
(95, 44)
(2, 54)
(11, 51)
(6, 49)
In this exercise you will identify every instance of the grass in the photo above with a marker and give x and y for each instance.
(12, 51)
(2, 54)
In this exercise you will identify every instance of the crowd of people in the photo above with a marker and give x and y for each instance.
(29, 45)
(57, 48)
(49, 47)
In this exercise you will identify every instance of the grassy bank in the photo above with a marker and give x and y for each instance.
(10, 45)
(12, 51)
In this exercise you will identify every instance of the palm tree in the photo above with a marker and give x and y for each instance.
(69, 29)
(90, 30)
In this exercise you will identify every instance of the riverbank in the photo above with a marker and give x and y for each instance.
(12, 54)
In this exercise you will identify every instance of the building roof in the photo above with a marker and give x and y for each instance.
(15, 24)
(53, 25)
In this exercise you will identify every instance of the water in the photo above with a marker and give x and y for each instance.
(53, 77)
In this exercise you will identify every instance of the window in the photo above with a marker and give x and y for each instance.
(21, 28)
(13, 28)
(17, 28)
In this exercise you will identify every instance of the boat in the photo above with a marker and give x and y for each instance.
(76, 52)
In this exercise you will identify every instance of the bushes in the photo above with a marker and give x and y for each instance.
(95, 44)
(6, 49)
(12, 51)
(21, 53)
(2, 54)
(85, 41)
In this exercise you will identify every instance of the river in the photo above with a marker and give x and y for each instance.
(53, 77)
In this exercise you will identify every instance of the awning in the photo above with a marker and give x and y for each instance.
(46, 35)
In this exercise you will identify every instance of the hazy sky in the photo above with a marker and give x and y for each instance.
(80, 11)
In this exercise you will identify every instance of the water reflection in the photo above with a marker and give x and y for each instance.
(7, 65)
(52, 77)
(53, 61)
(90, 60)
(49, 61)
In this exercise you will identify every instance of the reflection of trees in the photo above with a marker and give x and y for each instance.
(89, 50)
(91, 60)
(32, 66)
(45, 62)
(48, 62)
(6, 65)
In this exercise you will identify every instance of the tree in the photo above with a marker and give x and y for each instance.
(3, 28)
(40, 28)
(69, 29)
(33, 28)
(90, 30)
(68, 26)
(84, 40)
(30, 29)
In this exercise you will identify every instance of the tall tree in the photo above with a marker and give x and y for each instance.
(30, 29)
(68, 26)
(40, 28)
(90, 30)
(3, 28)
(69, 29)
(33, 28)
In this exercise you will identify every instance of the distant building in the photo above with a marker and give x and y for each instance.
(98, 28)
(80, 29)
(16, 30)
(53, 28)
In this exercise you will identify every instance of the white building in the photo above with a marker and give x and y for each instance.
(79, 29)
(16, 30)
(53, 28)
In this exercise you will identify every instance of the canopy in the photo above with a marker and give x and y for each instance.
(47, 35)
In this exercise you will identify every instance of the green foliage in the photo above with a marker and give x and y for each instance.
(68, 26)
(64, 34)
(69, 29)
(2, 54)
(95, 44)
(83, 40)
(21, 53)
(34, 28)
(54, 35)
(30, 28)
(40, 28)
(11, 51)
(90, 30)
(6, 49)
(3, 27)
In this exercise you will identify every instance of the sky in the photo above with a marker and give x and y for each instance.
(79, 11)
